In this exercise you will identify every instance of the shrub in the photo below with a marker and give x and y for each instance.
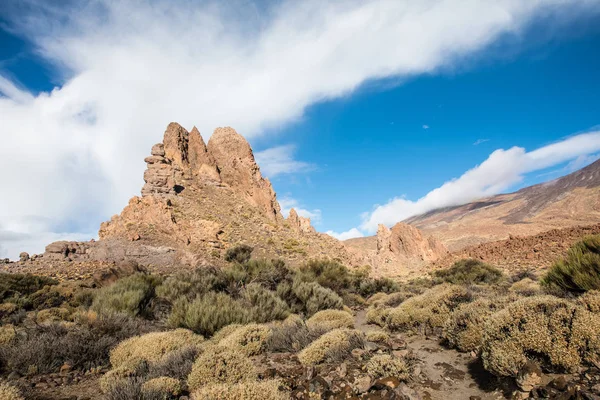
(239, 254)
(579, 271)
(122, 388)
(189, 284)
(175, 364)
(377, 336)
(266, 306)
(291, 335)
(129, 295)
(327, 273)
(267, 273)
(249, 340)
(378, 314)
(377, 298)
(151, 347)
(52, 315)
(332, 346)
(223, 366)
(428, 311)
(7, 334)
(313, 297)
(384, 365)
(591, 301)
(8, 392)
(209, 313)
(389, 300)
(331, 319)
(15, 286)
(263, 390)
(464, 329)
(526, 287)
(469, 271)
(47, 347)
(554, 332)
(162, 386)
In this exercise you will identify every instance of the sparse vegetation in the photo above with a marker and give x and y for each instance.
(469, 271)
(579, 271)
(249, 339)
(331, 319)
(382, 365)
(262, 390)
(129, 295)
(8, 392)
(220, 366)
(332, 346)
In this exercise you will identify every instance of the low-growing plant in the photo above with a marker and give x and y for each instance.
(526, 287)
(427, 312)
(151, 347)
(7, 334)
(164, 387)
(209, 313)
(469, 271)
(18, 286)
(309, 297)
(266, 305)
(190, 284)
(249, 340)
(129, 295)
(240, 254)
(262, 390)
(331, 319)
(334, 345)
(8, 392)
(175, 364)
(554, 332)
(378, 314)
(220, 366)
(377, 336)
(384, 365)
(591, 301)
(579, 271)
(291, 335)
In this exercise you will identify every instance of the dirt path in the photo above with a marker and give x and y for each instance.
(441, 373)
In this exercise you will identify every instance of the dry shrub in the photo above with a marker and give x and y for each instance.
(377, 336)
(240, 254)
(526, 287)
(263, 390)
(464, 328)
(427, 312)
(8, 392)
(176, 364)
(384, 365)
(151, 347)
(55, 314)
(353, 300)
(377, 314)
(335, 345)
(377, 297)
(220, 366)
(591, 301)
(209, 313)
(129, 295)
(249, 340)
(224, 332)
(552, 331)
(188, 284)
(291, 335)
(309, 297)
(7, 334)
(118, 388)
(266, 305)
(162, 385)
(389, 300)
(331, 319)
(469, 271)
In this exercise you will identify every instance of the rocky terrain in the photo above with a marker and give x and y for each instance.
(573, 200)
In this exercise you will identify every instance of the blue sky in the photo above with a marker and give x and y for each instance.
(360, 112)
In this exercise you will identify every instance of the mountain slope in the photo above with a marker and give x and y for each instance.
(572, 200)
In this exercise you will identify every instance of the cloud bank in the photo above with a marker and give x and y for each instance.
(73, 156)
(501, 170)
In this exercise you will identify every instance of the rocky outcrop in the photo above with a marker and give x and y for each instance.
(300, 224)
(406, 241)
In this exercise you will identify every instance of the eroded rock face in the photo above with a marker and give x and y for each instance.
(300, 224)
(406, 241)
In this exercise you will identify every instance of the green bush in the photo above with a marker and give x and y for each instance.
(579, 271)
(291, 335)
(209, 313)
(190, 284)
(311, 297)
(469, 271)
(130, 295)
(266, 305)
(554, 332)
(16, 288)
(239, 254)
(333, 346)
(327, 273)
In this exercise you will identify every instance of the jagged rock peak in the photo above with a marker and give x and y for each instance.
(407, 241)
(300, 224)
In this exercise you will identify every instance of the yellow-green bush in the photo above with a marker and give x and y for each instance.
(469, 271)
(263, 390)
(291, 335)
(162, 385)
(151, 347)
(309, 297)
(384, 365)
(8, 392)
(332, 346)
(209, 313)
(113, 378)
(579, 271)
(266, 305)
(377, 336)
(377, 297)
(591, 301)
(7, 334)
(188, 284)
(224, 332)
(129, 295)
(220, 366)
(526, 287)
(377, 314)
(429, 311)
(49, 315)
(560, 334)
(250, 339)
(331, 319)
(464, 329)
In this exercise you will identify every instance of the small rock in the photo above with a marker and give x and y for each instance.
(403, 392)
(343, 370)
(389, 381)
(24, 256)
(559, 383)
(371, 347)
(66, 368)
(362, 383)
(529, 376)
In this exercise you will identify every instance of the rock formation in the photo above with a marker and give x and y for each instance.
(300, 224)
(405, 241)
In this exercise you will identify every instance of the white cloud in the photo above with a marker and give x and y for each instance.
(287, 203)
(480, 141)
(280, 160)
(425, 127)
(350, 234)
(75, 154)
(501, 170)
